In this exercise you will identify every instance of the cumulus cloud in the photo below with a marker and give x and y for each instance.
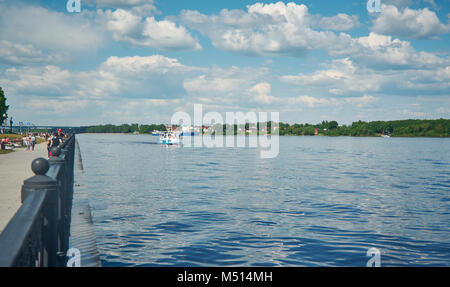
(130, 27)
(289, 29)
(54, 106)
(121, 3)
(269, 29)
(342, 77)
(340, 22)
(409, 23)
(142, 7)
(153, 77)
(16, 53)
(261, 93)
(31, 34)
(362, 101)
(48, 29)
(380, 51)
(224, 84)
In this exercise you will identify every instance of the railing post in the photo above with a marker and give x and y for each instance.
(41, 182)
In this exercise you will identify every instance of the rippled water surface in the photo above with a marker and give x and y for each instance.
(322, 202)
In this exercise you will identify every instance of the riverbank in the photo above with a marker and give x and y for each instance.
(15, 167)
(294, 135)
(395, 128)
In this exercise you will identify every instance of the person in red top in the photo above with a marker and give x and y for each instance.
(4, 142)
(60, 135)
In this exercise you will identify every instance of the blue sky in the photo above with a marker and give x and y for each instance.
(128, 61)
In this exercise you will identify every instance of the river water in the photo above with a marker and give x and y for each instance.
(323, 201)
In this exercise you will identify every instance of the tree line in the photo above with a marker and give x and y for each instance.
(399, 128)
(125, 128)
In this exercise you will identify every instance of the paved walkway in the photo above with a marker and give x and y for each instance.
(15, 167)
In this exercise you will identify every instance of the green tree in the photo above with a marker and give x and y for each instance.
(3, 106)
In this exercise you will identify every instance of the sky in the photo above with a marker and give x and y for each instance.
(140, 61)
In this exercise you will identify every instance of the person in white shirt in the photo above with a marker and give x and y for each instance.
(33, 141)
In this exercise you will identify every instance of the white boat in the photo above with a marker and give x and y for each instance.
(385, 136)
(169, 138)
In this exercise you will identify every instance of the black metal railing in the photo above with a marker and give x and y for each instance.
(38, 234)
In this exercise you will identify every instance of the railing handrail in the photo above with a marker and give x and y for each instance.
(19, 228)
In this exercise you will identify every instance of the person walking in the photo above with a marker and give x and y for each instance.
(49, 142)
(33, 141)
(27, 142)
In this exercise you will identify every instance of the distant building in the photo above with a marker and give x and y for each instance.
(316, 131)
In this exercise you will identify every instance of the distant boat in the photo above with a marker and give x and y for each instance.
(187, 131)
(156, 133)
(385, 136)
(169, 138)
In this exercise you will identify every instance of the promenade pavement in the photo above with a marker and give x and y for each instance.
(15, 167)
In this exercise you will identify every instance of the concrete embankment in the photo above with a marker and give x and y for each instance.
(15, 167)
(82, 235)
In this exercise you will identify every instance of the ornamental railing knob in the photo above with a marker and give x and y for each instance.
(40, 166)
(56, 151)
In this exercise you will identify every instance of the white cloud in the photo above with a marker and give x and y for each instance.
(409, 23)
(443, 110)
(55, 106)
(49, 30)
(432, 3)
(289, 29)
(31, 34)
(143, 8)
(122, 3)
(153, 77)
(261, 93)
(362, 101)
(308, 101)
(126, 26)
(342, 77)
(15, 53)
(269, 29)
(340, 22)
(312, 102)
(220, 84)
(383, 52)
(418, 114)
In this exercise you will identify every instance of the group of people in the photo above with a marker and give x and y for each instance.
(29, 141)
(54, 140)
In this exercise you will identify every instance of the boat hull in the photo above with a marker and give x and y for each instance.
(188, 134)
(169, 141)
